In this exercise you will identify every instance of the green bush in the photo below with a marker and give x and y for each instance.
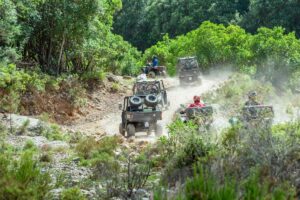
(22, 179)
(91, 150)
(51, 132)
(97, 75)
(72, 194)
(203, 185)
(270, 53)
(29, 145)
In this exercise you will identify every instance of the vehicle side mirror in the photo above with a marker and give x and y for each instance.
(120, 106)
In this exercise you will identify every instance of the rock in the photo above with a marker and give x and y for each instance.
(20, 141)
(19, 120)
(112, 78)
(141, 194)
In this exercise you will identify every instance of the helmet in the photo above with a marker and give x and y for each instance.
(196, 99)
(252, 94)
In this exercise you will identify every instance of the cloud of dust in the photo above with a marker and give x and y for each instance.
(176, 95)
(184, 95)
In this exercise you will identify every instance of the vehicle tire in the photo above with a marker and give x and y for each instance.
(158, 130)
(130, 130)
(135, 101)
(151, 74)
(121, 130)
(151, 100)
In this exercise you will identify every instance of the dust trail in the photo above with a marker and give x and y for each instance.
(280, 106)
(177, 95)
(184, 95)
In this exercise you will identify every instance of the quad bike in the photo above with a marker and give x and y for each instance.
(202, 117)
(157, 88)
(257, 116)
(152, 72)
(140, 114)
(188, 71)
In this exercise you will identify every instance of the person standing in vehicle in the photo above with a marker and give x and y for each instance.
(197, 103)
(252, 99)
(251, 111)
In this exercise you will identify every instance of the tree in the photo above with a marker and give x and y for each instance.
(143, 23)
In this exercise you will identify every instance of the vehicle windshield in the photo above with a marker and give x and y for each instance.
(144, 88)
(187, 64)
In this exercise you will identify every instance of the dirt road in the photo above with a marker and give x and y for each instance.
(177, 95)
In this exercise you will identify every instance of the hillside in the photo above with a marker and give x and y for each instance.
(76, 122)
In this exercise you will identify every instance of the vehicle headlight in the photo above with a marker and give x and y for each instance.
(129, 116)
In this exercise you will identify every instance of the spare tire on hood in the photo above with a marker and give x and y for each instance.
(151, 100)
(135, 101)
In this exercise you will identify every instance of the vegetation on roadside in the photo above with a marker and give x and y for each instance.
(270, 54)
(22, 178)
(150, 20)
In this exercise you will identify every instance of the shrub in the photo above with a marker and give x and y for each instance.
(29, 145)
(23, 128)
(72, 194)
(46, 157)
(263, 54)
(90, 149)
(51, 132)
(115, 87)
(97, 76)
(204, 185)
(22, 179)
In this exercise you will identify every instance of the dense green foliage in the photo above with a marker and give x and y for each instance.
(270, 53)
(149, 20)
(240, 165)
(22, 179)
(16, 83)
(64, 36)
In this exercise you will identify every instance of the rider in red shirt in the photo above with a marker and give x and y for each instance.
(197, 103)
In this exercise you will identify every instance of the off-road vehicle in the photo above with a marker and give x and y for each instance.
(188, 70)
(157, 88)
(152, 72)
(203, 117)
(140, 114)
(257, 116)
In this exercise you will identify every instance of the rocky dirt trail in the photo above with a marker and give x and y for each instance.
(104, 116)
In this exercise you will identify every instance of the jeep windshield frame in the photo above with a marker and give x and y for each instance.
(140, 88)
(187, 64)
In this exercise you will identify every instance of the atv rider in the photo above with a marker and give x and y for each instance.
(197, 103)
(154, 62)
(252, 114)
(252, 99)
